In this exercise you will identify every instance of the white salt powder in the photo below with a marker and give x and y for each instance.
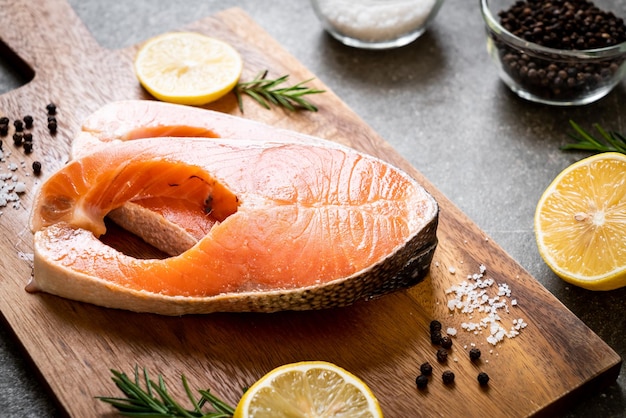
(375, 20)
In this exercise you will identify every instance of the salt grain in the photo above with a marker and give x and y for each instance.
(20, 187)
(471, 295)
(11, 186)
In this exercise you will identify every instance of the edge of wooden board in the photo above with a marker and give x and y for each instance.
(334, 121)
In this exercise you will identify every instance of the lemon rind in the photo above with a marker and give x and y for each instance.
(199, 98)
(610, 280)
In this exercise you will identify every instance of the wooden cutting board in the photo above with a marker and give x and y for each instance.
(73, 345)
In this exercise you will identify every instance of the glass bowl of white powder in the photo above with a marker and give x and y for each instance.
(376, 24)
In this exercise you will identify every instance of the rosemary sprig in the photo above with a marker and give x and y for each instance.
(266, 91)
(147, 398)
(610, 141)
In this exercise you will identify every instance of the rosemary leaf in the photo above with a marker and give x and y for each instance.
(608, 141)
(267, 91)
(258, 97)
(618, 141)
(217, 403)
(136, 393)
(122, 404)
(580, 146)
(146, 379)
(147, 398)
(169, 401)
(584, 136)
(192, 398)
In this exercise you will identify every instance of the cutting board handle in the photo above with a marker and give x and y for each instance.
(45, 37)
(59, 61)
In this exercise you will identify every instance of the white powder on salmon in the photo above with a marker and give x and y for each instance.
(476, 296)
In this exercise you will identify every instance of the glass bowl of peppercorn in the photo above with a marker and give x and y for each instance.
(559, 52)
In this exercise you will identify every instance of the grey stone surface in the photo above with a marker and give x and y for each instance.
(439, 103)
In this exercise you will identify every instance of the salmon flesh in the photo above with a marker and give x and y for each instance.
(291, 223)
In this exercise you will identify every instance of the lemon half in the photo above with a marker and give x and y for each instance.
(306, 390)
(187, 68)
(580, 223)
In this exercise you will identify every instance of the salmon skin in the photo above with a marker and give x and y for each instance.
(295, 225)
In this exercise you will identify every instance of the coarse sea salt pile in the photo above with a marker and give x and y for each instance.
(11, 188)
(482, 296)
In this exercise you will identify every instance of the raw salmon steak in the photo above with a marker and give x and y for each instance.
(292, 225)
(162, 223)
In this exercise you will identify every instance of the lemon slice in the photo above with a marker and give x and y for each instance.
(309, 389)
(187, 68)
(580, 223)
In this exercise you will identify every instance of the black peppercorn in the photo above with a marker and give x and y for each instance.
(426, 369)
(571, 25)
(28, 121)
(474, 354)
(435, 325)
(435, 338)
(448, 377)
(577, 24)
(28, 137)
(446, 342)
(483, 378)
(442, 355)
(36, 167)
(4, 130)
(52, 126)
(19, 125)
(421, 381)
(17, 138)
(4, 120)
(51, 108)
(28, 147)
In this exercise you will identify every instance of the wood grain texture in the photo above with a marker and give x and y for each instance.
(74, 345)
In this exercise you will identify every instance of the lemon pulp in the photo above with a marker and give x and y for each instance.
(580, 223)
(187, 68)
(309, 389)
